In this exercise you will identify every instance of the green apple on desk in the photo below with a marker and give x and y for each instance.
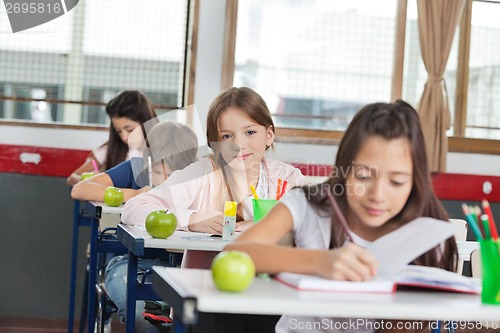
(232, 271)
(86, 175)
(161, 224)
(113, 196)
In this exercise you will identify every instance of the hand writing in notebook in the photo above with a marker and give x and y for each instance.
(350, 262)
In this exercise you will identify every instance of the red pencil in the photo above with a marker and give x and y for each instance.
(491, 221)
(283, 189)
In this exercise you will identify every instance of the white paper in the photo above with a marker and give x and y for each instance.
(401, 246)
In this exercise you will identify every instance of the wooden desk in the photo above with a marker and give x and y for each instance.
(138, 241)
(87, 216)
(190, 291)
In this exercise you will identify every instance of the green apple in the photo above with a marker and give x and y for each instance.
(161, 224)
(86, 175)
(113, 196)
(233, 271)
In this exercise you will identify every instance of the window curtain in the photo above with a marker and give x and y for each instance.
(437, 22)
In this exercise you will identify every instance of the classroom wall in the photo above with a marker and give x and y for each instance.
(36, 229)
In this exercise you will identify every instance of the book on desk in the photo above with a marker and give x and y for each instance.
(410, 276)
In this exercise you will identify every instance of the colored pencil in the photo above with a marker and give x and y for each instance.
(493, 226)
(283, 189)
(341, 217)
(484, 219)
(94, 164)
(472, 223)
(254, 192)
(278, 189)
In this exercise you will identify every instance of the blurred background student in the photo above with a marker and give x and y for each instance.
(126, 112)
(170, 146)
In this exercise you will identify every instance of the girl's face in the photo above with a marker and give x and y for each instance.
(124, 126)
(379, 185)
(243, 142)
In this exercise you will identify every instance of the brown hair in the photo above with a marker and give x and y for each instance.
(131, 104)
(389, 121)
(249, 102)
(174, 143)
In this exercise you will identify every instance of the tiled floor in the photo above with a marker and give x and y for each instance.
(43, 325)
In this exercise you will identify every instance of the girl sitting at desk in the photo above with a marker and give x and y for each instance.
(381, 181)
(126, 112)
(240, 130)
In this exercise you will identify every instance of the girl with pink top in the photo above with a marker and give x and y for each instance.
(240, 130)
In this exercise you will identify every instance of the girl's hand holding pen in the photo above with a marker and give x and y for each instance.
(350, 262)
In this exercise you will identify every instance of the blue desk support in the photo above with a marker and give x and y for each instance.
(78, 221)
(135, 247)
(88, 216)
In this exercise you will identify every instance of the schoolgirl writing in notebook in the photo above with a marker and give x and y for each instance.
(380, 180)
(126, 111)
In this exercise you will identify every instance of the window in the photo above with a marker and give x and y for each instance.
(316, 62)
(66, 70)
(483, 98)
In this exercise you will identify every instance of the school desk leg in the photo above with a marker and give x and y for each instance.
(131, 291)
(74, 255)
(91, 313)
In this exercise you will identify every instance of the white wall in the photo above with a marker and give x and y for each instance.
(207, 86)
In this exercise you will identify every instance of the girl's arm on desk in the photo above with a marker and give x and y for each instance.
(92, 189)
(349, 262)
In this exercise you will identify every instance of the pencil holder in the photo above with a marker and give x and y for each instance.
(490, 263)
(261, 207)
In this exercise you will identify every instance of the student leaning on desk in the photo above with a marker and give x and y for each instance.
(381, 181)
(240, 130)
(126, 112)
(170, 146)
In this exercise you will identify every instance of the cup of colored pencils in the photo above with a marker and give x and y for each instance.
(484, 227)
(260, 206)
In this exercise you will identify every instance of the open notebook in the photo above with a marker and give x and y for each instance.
(394, 251)
(414, 276)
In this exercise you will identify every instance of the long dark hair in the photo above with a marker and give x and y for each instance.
(249, 102)
(131, 104)
(389, 121)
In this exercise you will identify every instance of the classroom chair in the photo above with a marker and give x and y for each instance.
(144, 288)
(460, 235)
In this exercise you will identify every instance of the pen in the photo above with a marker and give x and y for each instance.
(150, 171)
(341, 217)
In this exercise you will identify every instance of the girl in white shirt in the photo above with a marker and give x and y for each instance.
(381, 181)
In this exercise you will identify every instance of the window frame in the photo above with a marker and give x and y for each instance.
(456, 143)
(187, 92)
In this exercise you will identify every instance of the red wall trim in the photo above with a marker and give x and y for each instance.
(54, 162)
(59, 162)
